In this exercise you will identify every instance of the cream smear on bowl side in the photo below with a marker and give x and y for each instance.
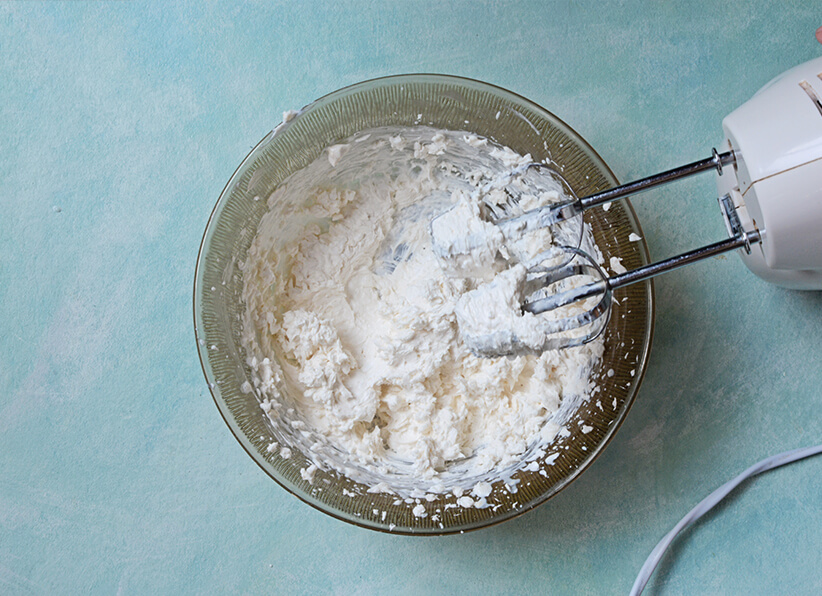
(350, 325)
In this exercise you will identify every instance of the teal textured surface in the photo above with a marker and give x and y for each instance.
(119, 125)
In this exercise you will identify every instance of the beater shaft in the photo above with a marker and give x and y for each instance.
(740, 238)
(559, 212)
(716, 161)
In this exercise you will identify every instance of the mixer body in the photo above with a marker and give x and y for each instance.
(776, 181)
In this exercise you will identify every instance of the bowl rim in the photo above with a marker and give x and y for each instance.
(202, 348)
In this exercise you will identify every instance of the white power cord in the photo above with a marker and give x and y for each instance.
(709, 502)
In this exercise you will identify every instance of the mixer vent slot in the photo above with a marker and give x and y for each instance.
(812, 94)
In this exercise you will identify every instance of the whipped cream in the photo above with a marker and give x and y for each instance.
(355, 289)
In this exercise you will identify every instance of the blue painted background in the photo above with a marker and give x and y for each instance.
(119, 125)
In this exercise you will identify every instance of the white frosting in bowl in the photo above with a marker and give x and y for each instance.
(351, 330)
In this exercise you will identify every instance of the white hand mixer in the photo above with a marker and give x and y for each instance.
(769, 177)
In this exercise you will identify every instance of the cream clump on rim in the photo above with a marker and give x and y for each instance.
(351, 323)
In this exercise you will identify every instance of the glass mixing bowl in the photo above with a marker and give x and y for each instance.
(442, 102)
